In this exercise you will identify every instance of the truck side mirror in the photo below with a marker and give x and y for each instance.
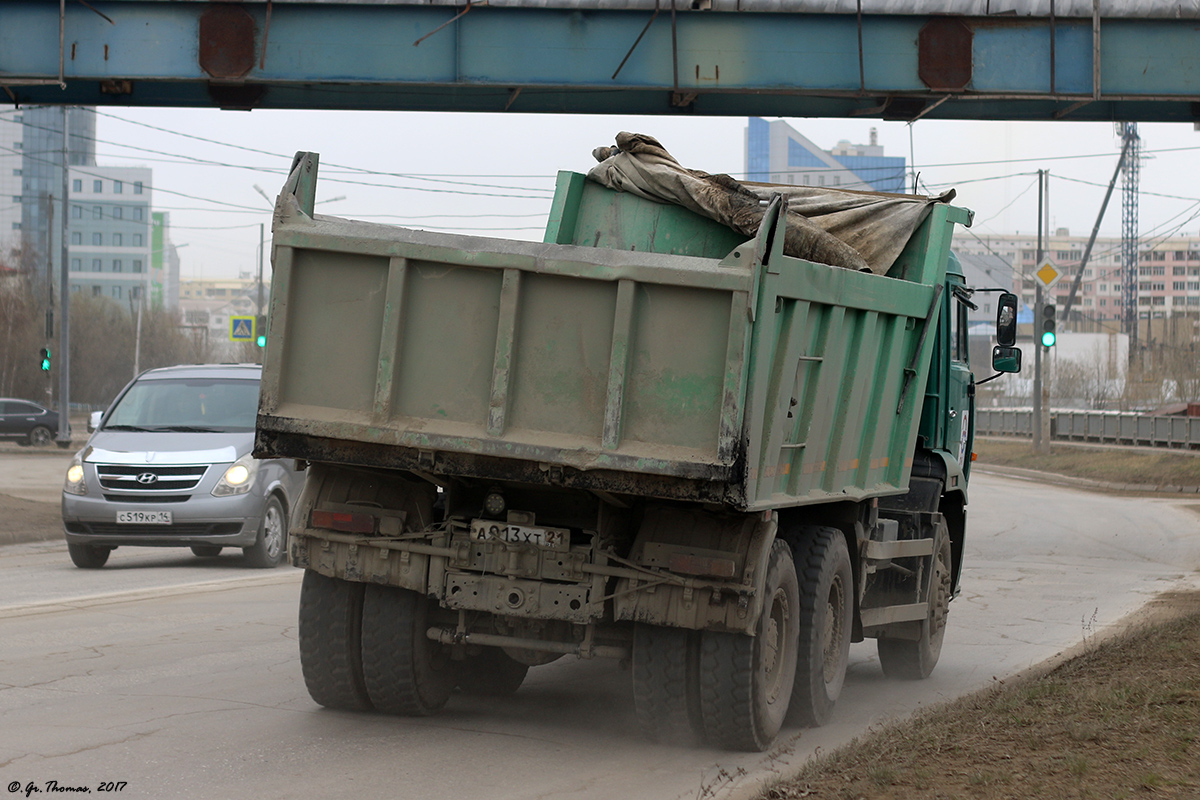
(1006, 322)
(1006, 359)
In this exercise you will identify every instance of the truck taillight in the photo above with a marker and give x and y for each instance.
(345, 521)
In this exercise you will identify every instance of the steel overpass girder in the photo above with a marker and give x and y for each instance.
(542, 60)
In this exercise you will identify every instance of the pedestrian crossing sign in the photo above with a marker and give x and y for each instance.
(241, 329)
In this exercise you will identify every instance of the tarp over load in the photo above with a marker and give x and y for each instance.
(864, 231)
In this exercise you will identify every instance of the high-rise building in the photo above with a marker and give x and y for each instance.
(778, 153)
(42, 180)
(110, 248)
(11, 144)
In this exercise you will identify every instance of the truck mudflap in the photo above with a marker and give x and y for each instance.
(733, 549)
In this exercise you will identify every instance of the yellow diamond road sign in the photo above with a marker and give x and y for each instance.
(1047, 273)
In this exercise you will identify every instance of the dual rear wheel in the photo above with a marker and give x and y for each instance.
(734, 691)
(364, 647)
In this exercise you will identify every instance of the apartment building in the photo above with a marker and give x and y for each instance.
(110, 232)
(1168, 275)
(208, 304)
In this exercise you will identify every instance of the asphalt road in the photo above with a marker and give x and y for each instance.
(180, 676)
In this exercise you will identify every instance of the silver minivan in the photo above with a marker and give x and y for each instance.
(169, 464)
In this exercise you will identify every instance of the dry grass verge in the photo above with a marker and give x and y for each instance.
(1118, 465)
(1121, 720)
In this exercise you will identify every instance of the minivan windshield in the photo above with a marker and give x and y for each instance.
(201, 405)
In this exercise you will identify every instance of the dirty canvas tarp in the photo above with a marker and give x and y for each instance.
(856, 230)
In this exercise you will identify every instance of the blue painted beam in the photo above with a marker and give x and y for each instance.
(340, 55)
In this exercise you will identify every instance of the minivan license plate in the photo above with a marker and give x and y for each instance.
(555, 538)
(144, 517)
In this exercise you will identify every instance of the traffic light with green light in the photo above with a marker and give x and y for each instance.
(45, 359)
(1049, 333)
(260, 331)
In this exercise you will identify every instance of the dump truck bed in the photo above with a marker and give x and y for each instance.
(754, 380)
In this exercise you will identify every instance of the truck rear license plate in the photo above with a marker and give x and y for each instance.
(144, 517)
(485, 531)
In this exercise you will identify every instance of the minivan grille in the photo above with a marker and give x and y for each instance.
(147, 498)
(149, 478)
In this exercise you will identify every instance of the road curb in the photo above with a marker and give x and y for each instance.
(1082, 483)
(23, 508)
(28, 538)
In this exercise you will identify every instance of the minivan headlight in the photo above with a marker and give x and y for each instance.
(75, 483)
(238, 478)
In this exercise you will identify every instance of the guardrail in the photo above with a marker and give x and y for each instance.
(1106, 427)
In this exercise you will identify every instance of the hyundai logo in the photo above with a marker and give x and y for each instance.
(147, 478)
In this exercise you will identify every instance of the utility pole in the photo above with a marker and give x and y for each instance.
(64, 305)
(1038, 342)
(1038, 444)
(1129, 237)
(50, 289)
(137, 339)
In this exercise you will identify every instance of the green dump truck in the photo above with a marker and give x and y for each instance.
(646, 439)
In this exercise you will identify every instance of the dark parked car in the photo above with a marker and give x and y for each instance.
(28, 423)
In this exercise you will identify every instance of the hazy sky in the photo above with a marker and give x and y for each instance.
(493, 174)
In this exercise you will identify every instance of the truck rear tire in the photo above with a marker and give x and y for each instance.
(746, 681)
(405, 672)
(915, 660)
(826, 615)
(492, 673)
(330, 642)
(666, 690)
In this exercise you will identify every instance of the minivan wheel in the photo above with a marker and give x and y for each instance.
(89, 556)
(271, 547)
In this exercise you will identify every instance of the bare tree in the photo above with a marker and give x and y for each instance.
(103, 340)
(166, 342)
(22, 333)
(101, 349)
(1181, 369)
(1092, 380)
